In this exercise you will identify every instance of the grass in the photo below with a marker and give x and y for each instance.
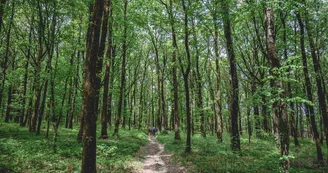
(21, 151)
(208, 156)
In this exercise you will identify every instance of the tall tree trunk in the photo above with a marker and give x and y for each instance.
(76, 79)
(50, 47)
(234, 110)
(186, 75)
(22, 124)
(90, 90)
(101, 51)
(279, 106)
(199, 85)
(290, 95)
(174, 76)
(104, 114)
(123, 71)
(10, 94)
(37, 69)
(219, 132)
(311, 115)
(5, 63)
(141, 101)
(110, 96)
(316, 65)
(164, 115)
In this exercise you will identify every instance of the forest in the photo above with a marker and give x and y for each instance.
(153, 86)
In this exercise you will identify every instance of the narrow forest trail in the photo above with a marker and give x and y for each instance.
(158, 161)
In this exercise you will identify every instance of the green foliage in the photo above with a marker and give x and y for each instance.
(261, 155)
(21, 151)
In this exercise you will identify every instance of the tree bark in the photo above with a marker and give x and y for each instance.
(123, 71)
(219, 132)
(186, 75)
(308, 87)
(5, 63)
(316, 65)
(90, 91)
(278, 106)
(37, 69)
(22, 124)
(234, 110)
(104, 115)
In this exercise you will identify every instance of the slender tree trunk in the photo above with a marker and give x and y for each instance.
(8, 115)
(70, 92)
(164, 116)
(219, 132)
(186, 75)
(290, 95)
(110, 96)
(141, 101)
(104, 115)
(37, 66)
(199, 86)
(5, 63)
(316, 65)
(43, 104)
(100, 52)
(311, 115)
(234, 110)
(123, 71)
(55, 122)
(22, 124)
(10, 94)
(174, 76)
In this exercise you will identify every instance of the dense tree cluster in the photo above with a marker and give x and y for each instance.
(205, 67)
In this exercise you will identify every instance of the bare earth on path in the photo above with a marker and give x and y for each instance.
(158, 161)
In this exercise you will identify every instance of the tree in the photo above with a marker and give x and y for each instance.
(279, 105)
(123, 71)
(235, 140)
(104, 115)
(185, 73)
(89, 90)
(309, 89)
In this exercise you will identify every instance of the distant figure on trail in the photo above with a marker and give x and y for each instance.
(154, 130)
(149, 131)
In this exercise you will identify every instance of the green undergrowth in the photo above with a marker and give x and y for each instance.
(21, 151)
(209, 156)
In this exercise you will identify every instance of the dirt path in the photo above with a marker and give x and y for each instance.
(158, 161)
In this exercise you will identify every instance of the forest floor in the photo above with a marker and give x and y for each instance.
(256, 156)
(135, 152)
(156, 159)
(22, 151)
